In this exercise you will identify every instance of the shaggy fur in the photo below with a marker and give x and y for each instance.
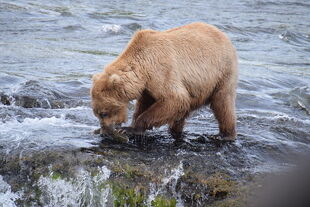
(170, 73)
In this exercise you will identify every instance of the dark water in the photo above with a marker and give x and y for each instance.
(50, 49)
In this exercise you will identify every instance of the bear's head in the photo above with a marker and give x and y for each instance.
(108, 103)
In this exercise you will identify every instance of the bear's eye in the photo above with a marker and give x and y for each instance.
(103, 115)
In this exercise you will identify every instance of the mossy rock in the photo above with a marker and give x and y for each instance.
(126, 196)
(163, 202)
(220, 185)
(137, 197)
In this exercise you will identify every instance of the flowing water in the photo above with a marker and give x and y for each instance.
(50, 49)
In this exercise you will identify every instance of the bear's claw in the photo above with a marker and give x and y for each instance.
(221, 138)
(121, 131)
(130, 131)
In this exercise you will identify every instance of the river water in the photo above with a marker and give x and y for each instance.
(50, 49)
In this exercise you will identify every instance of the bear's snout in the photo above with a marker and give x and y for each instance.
(106, 129)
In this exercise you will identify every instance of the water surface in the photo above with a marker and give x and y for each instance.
(50, 50)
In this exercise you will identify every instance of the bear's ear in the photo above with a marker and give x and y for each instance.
(114, 80)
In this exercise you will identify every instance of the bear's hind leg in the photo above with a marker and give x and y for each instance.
(223, 106)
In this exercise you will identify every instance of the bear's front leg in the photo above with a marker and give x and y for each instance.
(160, 113)
(176, 129)
(143, 103)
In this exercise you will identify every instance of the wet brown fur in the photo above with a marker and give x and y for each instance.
(170, 74)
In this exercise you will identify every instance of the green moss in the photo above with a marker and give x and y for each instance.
(218, 189)
(94, 172)
(238, 194)
(103, 186)
(220, 185)
(129, 171)
(162, 202)
(125, 196)
(56, 176)
(38, 193)
(136, 197)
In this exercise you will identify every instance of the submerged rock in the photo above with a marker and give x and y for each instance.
(5, 99)
(300, 98)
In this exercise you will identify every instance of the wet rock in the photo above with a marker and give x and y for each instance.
(32, 94)
(195, 172)
(27, 102)
(300, 98)
(5, 99)
(153, 173)
(133, 26)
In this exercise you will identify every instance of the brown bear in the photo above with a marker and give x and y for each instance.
(170, 73)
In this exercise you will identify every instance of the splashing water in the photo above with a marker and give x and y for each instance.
(7, 197)
(111, 28)
(168, 182)
(83, 190)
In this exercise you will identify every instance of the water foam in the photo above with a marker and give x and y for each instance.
(272, 116)
(83, 190)
(47, 131)
(7, 197)
(36, 123)
(114, 28)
